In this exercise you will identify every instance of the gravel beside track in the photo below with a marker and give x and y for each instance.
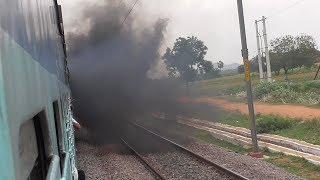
(104, 163)
(179, 165)
(247, 166)
(175, 162)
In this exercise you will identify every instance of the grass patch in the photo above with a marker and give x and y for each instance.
(269, 124)
(308, 131)
(215, 114)
(218, 86)
(235, 90)
(295, 165)
(236, 99)
(306, 93)
(235, 83)
(233, 119)
(207, 137)
(317, 106)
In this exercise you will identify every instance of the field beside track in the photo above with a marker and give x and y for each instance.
(227, 84)
(218, 100)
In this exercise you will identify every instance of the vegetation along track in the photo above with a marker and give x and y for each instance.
(181, 163)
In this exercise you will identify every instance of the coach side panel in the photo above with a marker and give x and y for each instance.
(32, 78)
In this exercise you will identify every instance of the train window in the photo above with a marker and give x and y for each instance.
(57, 122)
(41, 164)
(28, 148)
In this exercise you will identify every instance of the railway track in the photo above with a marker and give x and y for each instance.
(181, 163)
(156, 173)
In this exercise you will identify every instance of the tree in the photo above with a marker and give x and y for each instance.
(186, 59)
(207, 67)
(290, 52)
(220, 65)
(275, 63)
(306, 52)
(282, 49)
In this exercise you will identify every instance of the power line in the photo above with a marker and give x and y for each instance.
(286, 9)
(281, 12)
(124, 20)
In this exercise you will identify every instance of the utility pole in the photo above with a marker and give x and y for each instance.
(246, 62)
(259, 53)
(269, 75)
(315, 77)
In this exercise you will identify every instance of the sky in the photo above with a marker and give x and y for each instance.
(216, 21)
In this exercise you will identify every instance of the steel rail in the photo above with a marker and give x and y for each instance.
(145, 162)
(201, 158)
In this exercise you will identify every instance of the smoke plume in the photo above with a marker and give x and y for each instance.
(109, 64)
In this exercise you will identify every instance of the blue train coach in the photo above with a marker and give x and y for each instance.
(36, 132)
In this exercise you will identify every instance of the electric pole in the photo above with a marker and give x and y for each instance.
(246, 62)
(259, 53)
(269, 75)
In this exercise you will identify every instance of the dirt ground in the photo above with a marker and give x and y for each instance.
(292, 111)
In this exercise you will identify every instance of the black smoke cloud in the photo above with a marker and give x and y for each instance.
(109, 66)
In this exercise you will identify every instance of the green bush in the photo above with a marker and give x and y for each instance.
(284, 94)
(265, 88)
(268, 124)
(301, 93)
(311, 86)
(314, 124)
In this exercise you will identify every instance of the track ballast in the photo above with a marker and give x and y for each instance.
(179, 162)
